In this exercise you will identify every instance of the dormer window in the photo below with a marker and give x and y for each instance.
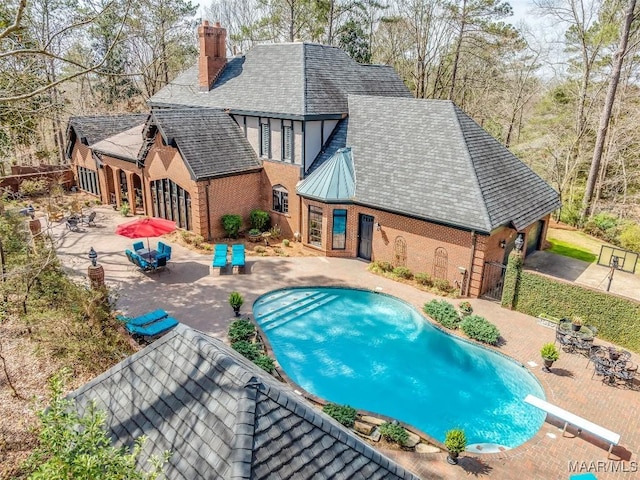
(265, 139)
(287, 142)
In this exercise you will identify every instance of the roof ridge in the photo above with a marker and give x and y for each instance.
(305, 80)
(483, 204)
(244, 431)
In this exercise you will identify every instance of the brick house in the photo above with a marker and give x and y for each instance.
(339, 153)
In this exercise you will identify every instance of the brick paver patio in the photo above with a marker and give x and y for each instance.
(199, 300)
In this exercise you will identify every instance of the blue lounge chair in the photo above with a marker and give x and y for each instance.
(153, 329)
(138, 246)
(141, 320)
(237, 256)
(219, 256)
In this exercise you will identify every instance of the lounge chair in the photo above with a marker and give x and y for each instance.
(145, 319)
(237, 257)
(160, 262)
(219, 257)
(152, 329)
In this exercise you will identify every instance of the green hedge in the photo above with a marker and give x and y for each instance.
(443, 312)
(344, 414)
(480, 329)
(617, 319)
(511, 279)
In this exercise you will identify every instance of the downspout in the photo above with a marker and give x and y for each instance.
(474, 239)
(206, 193)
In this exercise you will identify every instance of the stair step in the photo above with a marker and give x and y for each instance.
(299, 312)
(288, 308)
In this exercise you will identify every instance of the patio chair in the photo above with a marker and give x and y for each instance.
(583, 346)
(164, 250)
(603, 370)
(141, 263)
(237, 257)
(138, 246)
(160, 263)
(88, 220)
(72, 224)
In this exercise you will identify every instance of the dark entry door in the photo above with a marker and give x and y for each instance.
(365, 234)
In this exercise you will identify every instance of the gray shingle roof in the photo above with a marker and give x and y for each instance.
(336, 141)
(92, 129)
(210, 142)
(285, 79)
(223, 417)
(427, 158)
(334, 181)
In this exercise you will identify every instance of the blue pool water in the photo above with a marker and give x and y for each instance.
(377, 353)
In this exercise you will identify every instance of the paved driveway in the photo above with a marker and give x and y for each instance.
(199, 300)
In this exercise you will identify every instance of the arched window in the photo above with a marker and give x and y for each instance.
(280, 199)
(400, 252)
(440, 262)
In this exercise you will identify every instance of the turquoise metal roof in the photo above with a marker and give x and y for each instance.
(334, 181)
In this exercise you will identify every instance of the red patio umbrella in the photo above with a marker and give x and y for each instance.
(146, 227)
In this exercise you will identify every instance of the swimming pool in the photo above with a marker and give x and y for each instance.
(377, 353)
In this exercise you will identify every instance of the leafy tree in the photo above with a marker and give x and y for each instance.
(78, 446)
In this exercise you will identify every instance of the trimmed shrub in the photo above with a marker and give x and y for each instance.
(443, 312)
(231, 224)
(550, 352)
(266, 363)
(285, 243)
(259, 220)
(511, 279)
(379, 266)
(247, 349)
(480, 329)
(394, 432)
(241, 329)
(259, 249)
(423, 279)
(403, 272)
(443, 285)
(344, 414)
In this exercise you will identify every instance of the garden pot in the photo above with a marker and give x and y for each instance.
(236, 310)
(452, 458)
(547, 364)
(613, 355)
(575, 327)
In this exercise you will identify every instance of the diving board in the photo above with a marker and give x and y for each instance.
(570, 418)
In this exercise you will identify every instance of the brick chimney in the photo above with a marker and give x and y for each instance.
(213, 54)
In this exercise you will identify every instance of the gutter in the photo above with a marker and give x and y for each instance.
(474, 239)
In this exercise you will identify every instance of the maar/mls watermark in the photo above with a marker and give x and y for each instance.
(602, 466)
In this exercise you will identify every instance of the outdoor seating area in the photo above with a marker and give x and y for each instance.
(149, 259)
(74, 221)
(612, 364)
(150, 325)
(219, 262)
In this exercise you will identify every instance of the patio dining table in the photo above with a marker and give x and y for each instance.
(583, 333)
(147, 253)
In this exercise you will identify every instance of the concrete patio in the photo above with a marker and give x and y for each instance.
(199, 300)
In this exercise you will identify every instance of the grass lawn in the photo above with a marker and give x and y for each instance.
(569, 250)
